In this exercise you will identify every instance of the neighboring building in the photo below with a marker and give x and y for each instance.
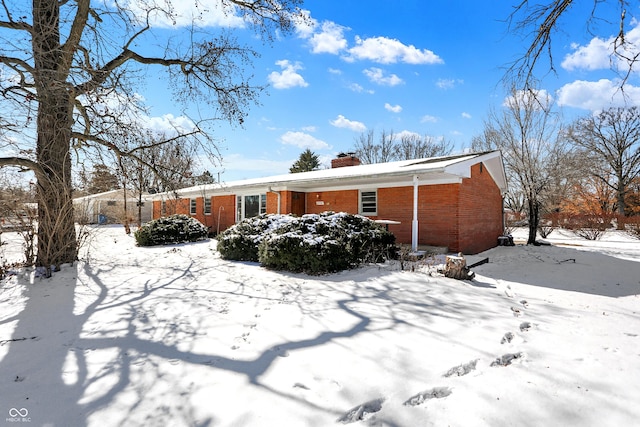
(453, 201)
(108, 208)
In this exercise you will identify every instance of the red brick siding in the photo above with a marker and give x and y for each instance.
(336, 201)
(223, 209)
(480, 212)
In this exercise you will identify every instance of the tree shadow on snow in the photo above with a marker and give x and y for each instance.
(102, 342)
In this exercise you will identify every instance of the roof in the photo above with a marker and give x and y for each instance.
(428, 171)
(117, 194)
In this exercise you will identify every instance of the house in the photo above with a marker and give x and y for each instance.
(453, 201)
(108, 207)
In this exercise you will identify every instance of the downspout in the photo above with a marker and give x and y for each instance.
(414, 223)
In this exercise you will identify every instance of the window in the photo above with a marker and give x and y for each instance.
(111, 202)
(207, 206)
(163, 208)
(250, 206)
(193, 207)
(369, 203)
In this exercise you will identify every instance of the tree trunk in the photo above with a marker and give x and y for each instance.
(534, 220)
(621, 206)
(56, 226)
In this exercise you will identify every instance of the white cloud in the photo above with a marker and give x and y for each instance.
(429, 119)
(329, 40)
(306, 26)
(390, 51)
(407, 134)
(448, 83)
(289, 77)
(466, 115)
(303, 140)
(376, 75)
(598, 53)
(240, 165)
(598, 95)
(342, 122)
(393, 108)
(209, 13)
(335, 71)
(168, 124)
(309, 128)
(541, 98)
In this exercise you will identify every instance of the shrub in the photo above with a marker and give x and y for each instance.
(589, 226)
(633, 226)
(313, 243)
(169, 230)
(240, 241)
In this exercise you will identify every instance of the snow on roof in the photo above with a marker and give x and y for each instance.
(429, 170)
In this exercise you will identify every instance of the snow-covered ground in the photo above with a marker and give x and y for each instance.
(175, 336)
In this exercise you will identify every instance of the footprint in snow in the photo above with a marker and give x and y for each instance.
(434, 393)
(525, 326)
(516, 311)
(506, 359)
(507, 338)
(462, 369)
(362, 412)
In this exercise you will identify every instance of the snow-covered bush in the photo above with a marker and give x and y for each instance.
(240, 241)
(169, 230)
(313, 243)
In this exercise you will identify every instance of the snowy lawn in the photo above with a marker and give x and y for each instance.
(175, 336)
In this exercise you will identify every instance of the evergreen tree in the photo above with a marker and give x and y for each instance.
(102, 180)
(308, 161)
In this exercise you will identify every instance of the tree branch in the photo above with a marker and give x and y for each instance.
(24, 164)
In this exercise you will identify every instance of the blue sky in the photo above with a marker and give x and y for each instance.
(427, 67)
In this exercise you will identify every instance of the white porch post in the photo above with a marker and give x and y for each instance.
(414, 223)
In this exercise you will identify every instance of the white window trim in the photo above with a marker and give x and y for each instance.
(193, 207)
(207, 199)
(240, 214)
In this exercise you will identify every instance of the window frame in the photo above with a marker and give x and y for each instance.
(207, 205)
(366, 210)
(241, 205)
(193, 206)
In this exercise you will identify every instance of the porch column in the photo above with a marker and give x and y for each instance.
(414, 223)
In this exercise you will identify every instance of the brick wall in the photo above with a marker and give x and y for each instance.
(480, 212)
(336, 201)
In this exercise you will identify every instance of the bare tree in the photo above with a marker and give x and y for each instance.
(539, 23)
(612, 137)
(68, 59)
(413, 146)
(392, 146)
(528, 134)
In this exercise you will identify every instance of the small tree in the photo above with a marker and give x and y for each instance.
(307, 162)
(528, 135)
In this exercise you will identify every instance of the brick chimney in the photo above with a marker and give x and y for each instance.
(345, 159)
